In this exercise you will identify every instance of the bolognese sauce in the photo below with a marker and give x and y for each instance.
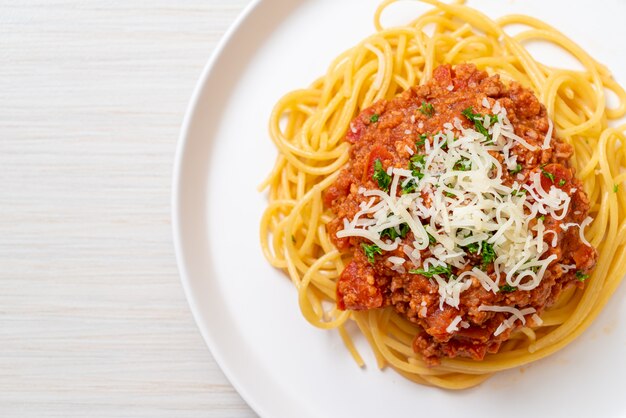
(461, 211)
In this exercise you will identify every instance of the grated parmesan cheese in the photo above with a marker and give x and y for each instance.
(460, 199)
(581, 231)
(548, 138)
(454, 324)
(509, 322)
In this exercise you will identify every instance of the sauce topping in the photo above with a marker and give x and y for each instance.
(461, 211)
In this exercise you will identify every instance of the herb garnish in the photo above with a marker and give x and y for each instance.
(371, 251)
(381, 176)
(478, 119)
(374, 118)
(580, 276)
(488, 253)
(507, 288)
(547, 173)
(472, 247)
(516, 170)
(392, 233)
(427, 109)
(464, 164)
(416, 164)
(418, 160)
(409, 187)
(441, 270)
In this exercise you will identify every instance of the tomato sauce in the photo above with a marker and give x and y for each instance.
(383, 132)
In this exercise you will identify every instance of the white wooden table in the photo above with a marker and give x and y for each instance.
(93, 320)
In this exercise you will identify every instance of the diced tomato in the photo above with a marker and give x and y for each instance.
(439, 320)
(339, 189)
(443, 75)
(353, 289)
(377, 153)
(333, 226)
(464, 348)
(474, 334)
(561, 177)
(355, 130)
(584, 257)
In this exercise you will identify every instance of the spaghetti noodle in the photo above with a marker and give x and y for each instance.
(308, 127)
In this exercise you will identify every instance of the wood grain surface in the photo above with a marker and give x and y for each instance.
(93, 320)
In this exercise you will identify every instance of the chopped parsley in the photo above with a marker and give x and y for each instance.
(516, 170)
(427, 109)
(507, 288)
(488, 253)
(431, 239)
(370, 251)
(520, 192)
(392, 233)
(416, 164)
(547, 173)
(421, 141)
(418, 160)
(374, 118)
(464, 164)
(478, 119)
(381, 176)
(615, 187)
(441, 270)
(542, 218)
(580, 276)
(409, 187)
(562, 182)
(473, 247)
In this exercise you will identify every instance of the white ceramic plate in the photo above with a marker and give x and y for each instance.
(247, 311)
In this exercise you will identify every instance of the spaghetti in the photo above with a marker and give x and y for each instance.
(308, 127)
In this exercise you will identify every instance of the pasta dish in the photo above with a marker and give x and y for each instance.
(455, 198)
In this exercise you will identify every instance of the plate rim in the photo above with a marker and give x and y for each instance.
(181, 147)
